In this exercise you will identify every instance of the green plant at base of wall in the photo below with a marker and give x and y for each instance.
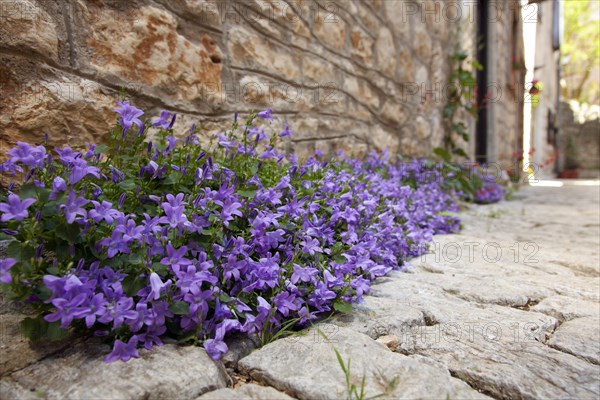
(461, 97)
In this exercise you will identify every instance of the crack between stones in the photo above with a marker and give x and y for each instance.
(479, 385)
(300, 85)
(69, 29)
(365, 70)
(323, 45)
(263, 380)
(530, 303)
(561, 349)
(156, 102)
(486, 387)
(237, 377)
(51, 64)
(429, 319)
(565, 351)
(328, 138)
(187, 19)
(471, 383)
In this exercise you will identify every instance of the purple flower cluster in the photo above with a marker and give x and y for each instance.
(172, 238)
(96, 296)
(490, 192)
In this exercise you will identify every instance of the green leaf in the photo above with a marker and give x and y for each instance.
(460, 129)
(247, 193)
(55, 332)
(27, 191)
(49, 209)
(34, 328)
(340, 361)
(342, 306)
(134, 259)
(188, 336)
(180, 308)
(467, 184)
(132, 284)
(100, 149)
(465, 77)
(42, 292)
(128, 184)
(477, 65)
(69, 232)
(253, 168)
(340, 259)
(43, 195)
(4, 236)
(224, 297)
(460, 56)
(443, 153)
(460, 152)
(20, 251)
(160, 269)
(62, 251)
(171, 179)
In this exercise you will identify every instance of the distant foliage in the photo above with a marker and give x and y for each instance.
(581, 51)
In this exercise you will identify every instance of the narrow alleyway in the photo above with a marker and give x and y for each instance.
(508, 308)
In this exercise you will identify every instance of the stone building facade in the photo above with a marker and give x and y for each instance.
(345, 74)
(544, 134)
(579, 141)
(505, 72)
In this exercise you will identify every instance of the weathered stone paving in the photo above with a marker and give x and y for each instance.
(508, 308)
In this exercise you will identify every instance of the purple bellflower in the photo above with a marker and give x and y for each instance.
(129, 115)
(15, 208)
(163, 120)
(122, 351)
(28, 155)
(267, 114)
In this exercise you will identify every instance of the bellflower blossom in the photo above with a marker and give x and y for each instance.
(80, 169)
(157, 285)
(129, 115)
(5, 265)
(74, 207)
(286, 131)
(58, 185)
(267, 114)
(123, 351)
(14, 208)
(163, 120)
(104, 211)
(24, 153)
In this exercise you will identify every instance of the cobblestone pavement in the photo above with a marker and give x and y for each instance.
(508, 308)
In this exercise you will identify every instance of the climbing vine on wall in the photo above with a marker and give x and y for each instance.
(461, 96)
(462, 100)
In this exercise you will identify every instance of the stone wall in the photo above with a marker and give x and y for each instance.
(543, 139)
(345, 74)
(505, 83)
(579, 141)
